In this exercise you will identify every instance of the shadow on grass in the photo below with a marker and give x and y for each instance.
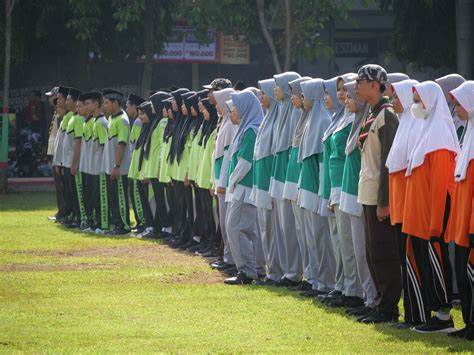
(439, 340)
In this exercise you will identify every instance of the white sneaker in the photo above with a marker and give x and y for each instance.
(99, 231)
(168, 230)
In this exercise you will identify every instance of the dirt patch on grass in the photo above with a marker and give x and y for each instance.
(150, 254)
(193, 278)
(48, 267)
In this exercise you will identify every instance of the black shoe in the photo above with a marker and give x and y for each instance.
(258, 282)
(119, 231)
(224, 266)
(178, 243)
(202, 251)
(195, 248)
(331, 294)
(189, 244)
(436, 325)
(232, 271)
(337, 302)
(212, 253)
(270, 282)
(361, 311)
(303, 286)
(353, 302)
(405, 325)
(72, 225)
(379, 317)
(312, 293)
(240, 279)
(335, 296)
(284, 282)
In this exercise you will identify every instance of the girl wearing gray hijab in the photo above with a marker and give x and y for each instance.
(262, 163)
(290, 190)
(241, 222)
(348, 201)
(449, 83)
(337, 114)
(320, 255)
(285, 125)
(335, 147)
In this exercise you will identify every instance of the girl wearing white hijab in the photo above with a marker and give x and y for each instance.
(349, 205)
(448, 83)
(430, 184)
(284, 128)
(290, 191)
(321, 257)
(402, 147)
(225, 134)
(262, 161)
(334, 152)
(461, 220)
(242, 224)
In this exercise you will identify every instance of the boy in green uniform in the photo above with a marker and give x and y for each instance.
(116, 161)
(71, 154)
(133, 102)
(99, 196)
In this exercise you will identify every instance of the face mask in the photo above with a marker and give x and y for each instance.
(418, 111)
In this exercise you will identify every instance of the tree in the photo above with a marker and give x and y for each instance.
(424, 33)
(275, 24)
(137, 28)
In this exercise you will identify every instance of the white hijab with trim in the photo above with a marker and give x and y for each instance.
(464, 94)
(438, 131)
(227, 129)
(408, 129)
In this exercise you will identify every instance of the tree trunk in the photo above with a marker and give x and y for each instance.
(148, 39)
(463, 37)
(267, 35)
(287, 35)
(6, 93)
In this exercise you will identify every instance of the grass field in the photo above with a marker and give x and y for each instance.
(64, 291)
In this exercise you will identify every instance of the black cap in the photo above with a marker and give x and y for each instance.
(92, 95)
(81, 97)
(157, 100)
(135, 99)
(373, 72)
(63, 91)
(218, 84)
(239, 86)
(202, 94)
(112, 94)
(74, 93)
(152, 92)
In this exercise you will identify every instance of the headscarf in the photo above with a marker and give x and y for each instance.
(464, 94)
(318, 122)
(287, 115)
(448, 83)
(408, 128)
(338, 110)
(263, 144)
(295, 87)
(226, 128)
(212, 123)
(347, 116)
(178, 124)
(190, 99)
(362, 110)
(251, 116)
(393, 78)
(168, 132)
(145, 107)
(157, 103)
(438, 130)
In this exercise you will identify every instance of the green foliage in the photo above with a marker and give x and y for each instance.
(425, 32)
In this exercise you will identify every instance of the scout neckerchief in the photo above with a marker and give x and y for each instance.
(373, 113)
